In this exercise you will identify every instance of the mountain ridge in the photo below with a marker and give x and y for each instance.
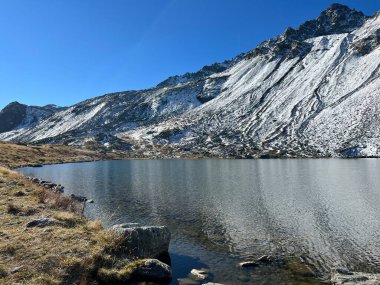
(250, 106)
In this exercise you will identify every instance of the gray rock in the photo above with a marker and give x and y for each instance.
(152, 270)
(144, 242)
(58, 188)
(42, 222)
(263, 260)
(78, 198)
(49, 185)
(199, 274)
(211, 283)
(354, 278)
(248, 264)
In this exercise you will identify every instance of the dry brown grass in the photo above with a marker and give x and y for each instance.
(72, 252)
(13, 209)
(13, 155)
(76, 250)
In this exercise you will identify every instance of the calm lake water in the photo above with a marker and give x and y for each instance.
(314, 214)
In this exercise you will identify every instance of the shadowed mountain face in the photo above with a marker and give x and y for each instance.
(311, 91)
(12, 116)
(16, 115)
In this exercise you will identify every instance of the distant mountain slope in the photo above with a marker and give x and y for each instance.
(311, 91)
(16, 115)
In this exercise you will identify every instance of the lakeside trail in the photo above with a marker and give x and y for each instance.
(65, 248)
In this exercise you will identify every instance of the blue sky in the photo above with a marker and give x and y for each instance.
(65, 51)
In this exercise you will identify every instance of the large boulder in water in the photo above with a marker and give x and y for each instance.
(144, 242)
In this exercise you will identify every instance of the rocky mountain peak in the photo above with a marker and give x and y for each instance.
(16, 115)
(337, 19)
(11, 116)
(13, 105)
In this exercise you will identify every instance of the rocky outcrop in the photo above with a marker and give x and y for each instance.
(143, 242)
(47, 184)
(152, 270)
(340, 277)
(368, 44)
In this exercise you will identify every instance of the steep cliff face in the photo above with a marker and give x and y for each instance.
(311, 91)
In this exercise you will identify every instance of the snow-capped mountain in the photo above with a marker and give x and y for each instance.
(311, 91)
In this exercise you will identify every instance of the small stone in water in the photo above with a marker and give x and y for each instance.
(248, 264)
(199, 274)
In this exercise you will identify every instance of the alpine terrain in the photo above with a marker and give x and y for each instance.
(313, 91)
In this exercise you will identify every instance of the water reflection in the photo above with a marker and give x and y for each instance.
(222, 211)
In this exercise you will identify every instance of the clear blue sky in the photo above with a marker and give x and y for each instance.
(65, 51)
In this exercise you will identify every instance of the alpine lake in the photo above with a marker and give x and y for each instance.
(310, 215)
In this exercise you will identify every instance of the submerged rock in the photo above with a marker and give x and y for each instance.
(263, 260)
(144, 242)
(187, 281)
(246, 264)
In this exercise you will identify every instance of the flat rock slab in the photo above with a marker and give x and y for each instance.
(355, 278)
(43, 222)
(144, 242)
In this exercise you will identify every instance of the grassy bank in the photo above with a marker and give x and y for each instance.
(72, 251)
(13, 155)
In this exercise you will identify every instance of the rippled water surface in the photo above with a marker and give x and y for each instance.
(313, 214)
